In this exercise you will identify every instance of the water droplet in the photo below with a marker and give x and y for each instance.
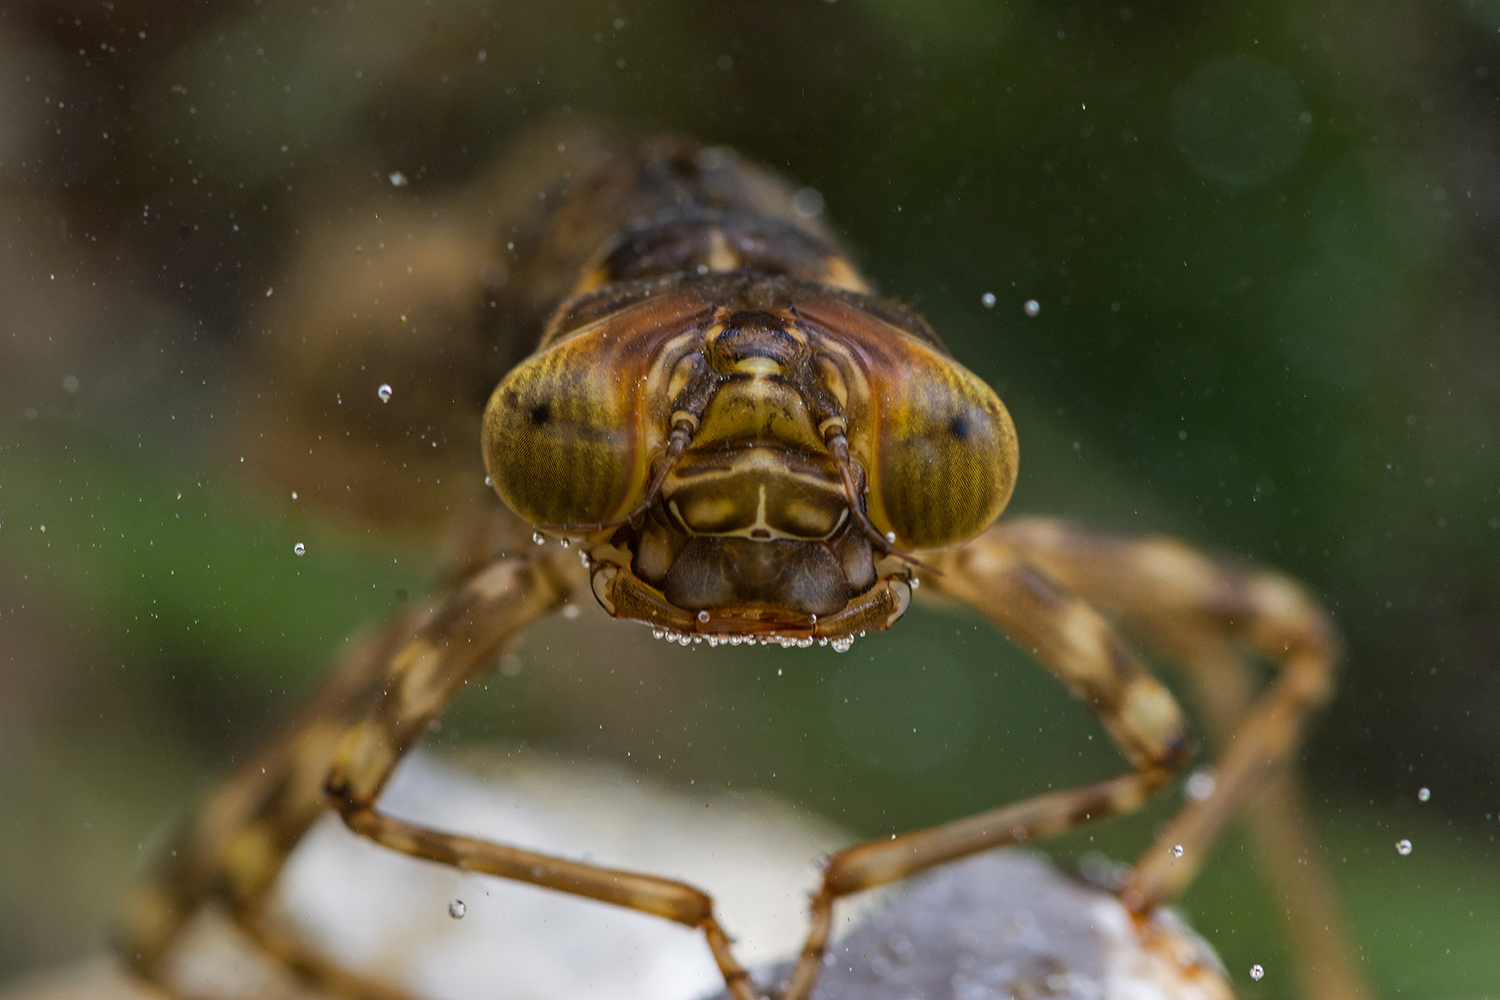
(539, 538)
(299, 549)
(457, 909)
(1032, 307)
(703, 617)
(1177, 850)
(1256, 972)
(384, 392)
(987, 300)
(1403, 847)
(1423, 794)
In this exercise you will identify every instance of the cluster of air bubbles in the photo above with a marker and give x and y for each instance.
(299, 549)
(840, 645)
(1177, 850)
(1032, 307)
(1256, 972)
(1403, 847)
(987, 300)
(457, 909)
(1423, 794)
(384, 392)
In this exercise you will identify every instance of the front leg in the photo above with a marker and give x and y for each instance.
(1078, 645)
(1206, 616)
(423, 678)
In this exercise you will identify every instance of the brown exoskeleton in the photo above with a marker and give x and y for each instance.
(741, 443)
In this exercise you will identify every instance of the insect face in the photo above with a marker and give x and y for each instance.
(761, 455)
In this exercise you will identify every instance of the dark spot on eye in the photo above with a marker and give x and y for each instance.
(960, 428)
(540, 414)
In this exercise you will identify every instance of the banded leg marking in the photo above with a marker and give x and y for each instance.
(237, 844)
(1204, 616)
(1078, 645)
(423, 679)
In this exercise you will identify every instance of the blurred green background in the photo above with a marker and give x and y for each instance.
(1263, 239)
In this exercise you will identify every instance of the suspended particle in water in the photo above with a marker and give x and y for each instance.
(384, 392)
(1032, 307)
(397, 178)
(457, 909)
(1200, 784)
(299, 549)
(1256, 972)
(987, 300)
(1423, 794)
(1177, 851)
(1403, 847)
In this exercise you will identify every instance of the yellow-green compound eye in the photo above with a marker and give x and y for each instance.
(937, 445)
(569, 433)
(945, 455)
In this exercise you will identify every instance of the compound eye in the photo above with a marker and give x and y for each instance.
(936, 443)
(569, 433)
(945, 456)
(560, 442)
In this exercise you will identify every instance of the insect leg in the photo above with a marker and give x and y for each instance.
(422, 679)
(1078, 645)
(1207, 617)
(237, 844)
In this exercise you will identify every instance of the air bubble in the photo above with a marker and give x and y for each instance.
(1403, 847)
(564, 542)
(1200, 784)
(703, 617)
(539, 538)
(457, 909)
(890, 537)
(1256, 972)
(1177, 850)
(299, 549)
(987, 300)
(384, 392)
(1032, 307)
(1423, 794)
